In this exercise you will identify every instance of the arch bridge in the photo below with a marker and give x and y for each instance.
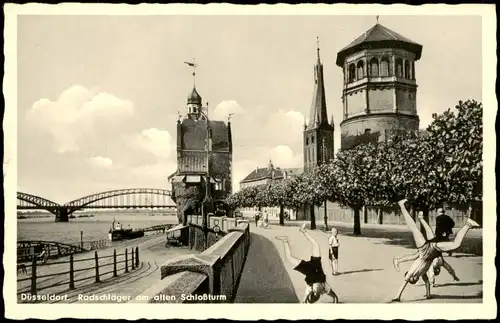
(135, 198)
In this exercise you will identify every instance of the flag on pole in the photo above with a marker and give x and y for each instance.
(190, 64)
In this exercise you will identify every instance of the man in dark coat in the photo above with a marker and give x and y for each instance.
(444, 226)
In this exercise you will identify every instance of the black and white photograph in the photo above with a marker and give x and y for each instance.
(245, 155)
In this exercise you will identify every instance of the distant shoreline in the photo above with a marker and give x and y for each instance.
(41, 214)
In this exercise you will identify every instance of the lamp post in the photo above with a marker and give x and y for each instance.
(208, 198)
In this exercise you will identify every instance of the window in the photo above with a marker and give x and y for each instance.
(361, 70)
(374, 67)
(384, 67)
(407, 70)
(399, 67)
(352, 73)
(312, 140)
(413, 70)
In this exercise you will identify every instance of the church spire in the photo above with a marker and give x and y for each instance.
(318, 114)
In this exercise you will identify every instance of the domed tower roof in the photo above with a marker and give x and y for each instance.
(194, 97)
(379, 37)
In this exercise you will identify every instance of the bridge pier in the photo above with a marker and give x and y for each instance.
(62, 215)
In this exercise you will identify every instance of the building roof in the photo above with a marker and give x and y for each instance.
(270, 172)
(318, 114)
(194, 97)
(379, 37)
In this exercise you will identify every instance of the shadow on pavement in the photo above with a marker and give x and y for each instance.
(459, 284)
(358, 271)
(264, 278)
(470, 245)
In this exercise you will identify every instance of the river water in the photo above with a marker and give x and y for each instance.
(94, 228)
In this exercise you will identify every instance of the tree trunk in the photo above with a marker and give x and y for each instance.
(365, 214)
(380, 216)
(282, 215)
(425, 211)
(325, 217)
(313, 217)
(357, 222)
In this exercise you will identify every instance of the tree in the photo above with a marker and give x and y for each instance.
(186, 198)
(458, 140)
(311, 191)
(350, 179)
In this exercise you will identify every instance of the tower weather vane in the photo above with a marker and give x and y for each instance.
(377, 19)
(229, 117)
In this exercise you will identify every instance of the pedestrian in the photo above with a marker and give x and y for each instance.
(428, 250)
(333, 251)
(265, 224)
(444, 226)
(257, 218)
(312, 269)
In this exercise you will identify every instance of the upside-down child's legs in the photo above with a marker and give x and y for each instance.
(455, 244)
(428, 230)
(288, 253)
(417, 235)
(396, 261)
(316, 251)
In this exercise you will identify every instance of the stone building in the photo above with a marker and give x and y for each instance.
(318, 133)
(203, 150)
(380, 90)
(266, 175)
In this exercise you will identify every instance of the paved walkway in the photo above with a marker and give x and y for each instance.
(152, 253)
(365, 264)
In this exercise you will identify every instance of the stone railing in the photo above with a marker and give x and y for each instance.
(209, 277)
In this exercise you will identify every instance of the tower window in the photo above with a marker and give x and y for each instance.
(384, 67)
(413, 70)
(407, 70)
(374, 67)
(361, 70)
(399, 67)
(352, 73)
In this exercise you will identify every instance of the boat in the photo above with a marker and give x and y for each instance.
(117, 232)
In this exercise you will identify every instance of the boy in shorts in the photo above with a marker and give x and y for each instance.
(315, 277)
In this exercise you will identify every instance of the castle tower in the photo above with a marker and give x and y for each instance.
(318, 134)
(379, 94)
(194, 105)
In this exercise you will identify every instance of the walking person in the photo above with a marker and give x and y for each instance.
(312, 269)
(437, 263)
(257, 218)
(333, 251)
(265, 223)
(428, 250)
(444, 226)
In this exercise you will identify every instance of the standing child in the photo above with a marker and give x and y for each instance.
(333, 251)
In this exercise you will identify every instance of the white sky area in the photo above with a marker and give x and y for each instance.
(98, 96)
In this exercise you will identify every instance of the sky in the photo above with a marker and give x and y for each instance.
(98, 96)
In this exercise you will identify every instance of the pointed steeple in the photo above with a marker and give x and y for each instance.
(331, 122)
(318, 115)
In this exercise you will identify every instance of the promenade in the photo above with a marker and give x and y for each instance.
(152, 254)
(365, 264)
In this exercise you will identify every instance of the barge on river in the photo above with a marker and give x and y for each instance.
(117, 232)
